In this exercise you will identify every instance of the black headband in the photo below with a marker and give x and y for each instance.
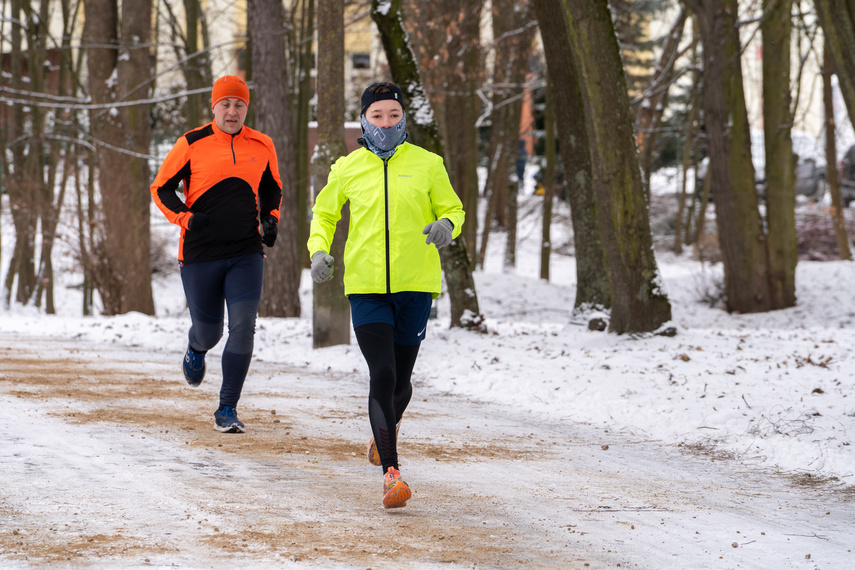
(394, 94)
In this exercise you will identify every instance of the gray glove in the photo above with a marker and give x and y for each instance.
(439, 232)
(322, 266)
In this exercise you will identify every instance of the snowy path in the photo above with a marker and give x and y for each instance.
(113, 462)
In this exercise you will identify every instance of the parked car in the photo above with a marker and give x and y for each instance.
(810, 178)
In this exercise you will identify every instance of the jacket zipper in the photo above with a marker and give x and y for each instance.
(232, 143)
(388, 265)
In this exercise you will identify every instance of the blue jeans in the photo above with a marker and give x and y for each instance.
(235, 282)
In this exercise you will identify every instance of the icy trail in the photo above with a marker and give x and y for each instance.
(113, 462)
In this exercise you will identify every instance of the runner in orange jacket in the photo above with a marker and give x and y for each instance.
(231, 179)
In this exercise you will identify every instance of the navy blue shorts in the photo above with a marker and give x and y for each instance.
(407, 312)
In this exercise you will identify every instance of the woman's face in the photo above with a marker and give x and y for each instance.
(230, 114)
(384, 114)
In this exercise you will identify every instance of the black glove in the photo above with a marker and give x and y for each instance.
(198, 222)
(269, 230)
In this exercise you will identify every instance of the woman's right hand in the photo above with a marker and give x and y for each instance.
(322, 266)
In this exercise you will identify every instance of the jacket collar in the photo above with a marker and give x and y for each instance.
(224, 135)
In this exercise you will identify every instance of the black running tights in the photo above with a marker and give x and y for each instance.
(390, 367)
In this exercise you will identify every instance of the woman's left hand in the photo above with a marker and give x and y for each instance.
(439, 232)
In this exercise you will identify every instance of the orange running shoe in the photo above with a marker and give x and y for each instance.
(373, 454)
(396, 493)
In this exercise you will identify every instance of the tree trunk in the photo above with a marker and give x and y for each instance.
(780, 167)
(42, 156)
(20, 185)
(691, 118)
(741, 236)
(510, 259)
(85, 224)
(838, 218)
(592, 282)
(837, 18)
(386, 14)
(302, 89)
(50, 218)
(330, 308)
(548, 181)
(197, 67)
(497, 161)
(124, 273)
(513, 37)
(135, 229)
(67, 157)
(280, 294)
(639, 304)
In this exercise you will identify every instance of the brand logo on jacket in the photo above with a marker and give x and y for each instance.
(405, 176)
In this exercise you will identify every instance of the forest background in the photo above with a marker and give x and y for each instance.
(596, 97)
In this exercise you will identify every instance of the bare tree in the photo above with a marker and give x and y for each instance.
(742, 240)
(119, 70)
(191, 45)
(639, 304)
(445, 34)
(280, 296)
(837, 18)
(692, 116)
(513, 31)
(405, 73)
(330, 309)
(301, 30)
(592, 283)
(22, 184)
(63, 157)
(780, 168)
(197, 67)
(548, 181)
(837, 217)
(653, 101)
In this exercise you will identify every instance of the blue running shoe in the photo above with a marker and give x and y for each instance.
(194, 366)
(226, 420)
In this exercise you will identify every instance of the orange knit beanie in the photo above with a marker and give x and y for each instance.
(229, 87)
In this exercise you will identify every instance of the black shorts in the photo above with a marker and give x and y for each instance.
(407, 312)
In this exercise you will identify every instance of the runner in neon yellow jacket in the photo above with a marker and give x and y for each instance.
(391, 201)
(399, 193)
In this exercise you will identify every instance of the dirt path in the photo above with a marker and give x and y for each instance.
(112, 461)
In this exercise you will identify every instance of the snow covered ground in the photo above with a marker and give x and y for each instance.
(748, 397)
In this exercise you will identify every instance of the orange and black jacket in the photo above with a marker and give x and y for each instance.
(231, 178)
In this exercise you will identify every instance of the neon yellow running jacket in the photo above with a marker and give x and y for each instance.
(390, 204)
